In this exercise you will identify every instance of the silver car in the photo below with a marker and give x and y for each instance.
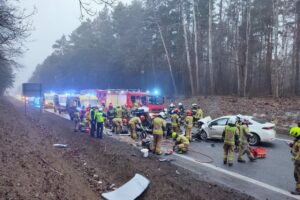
(261, 130)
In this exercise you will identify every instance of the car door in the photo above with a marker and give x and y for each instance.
(217, 127)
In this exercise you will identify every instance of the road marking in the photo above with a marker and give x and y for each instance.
(241, 177)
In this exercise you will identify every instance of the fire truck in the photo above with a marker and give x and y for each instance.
(154, 103)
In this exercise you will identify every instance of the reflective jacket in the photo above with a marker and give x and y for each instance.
(230, 135)
(243, 134)
(159, 125)
(119, 113)
(174, 118)
(183, 140)
(199, 114)
(189, 122)
(99, 117)
(296, 150)
(135, 121)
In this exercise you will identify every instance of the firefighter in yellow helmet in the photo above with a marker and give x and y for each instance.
(181, 143)
(188, 124)
(230, 136)
(295, 132)
(133, 122)
(159, 126)
(175, 120)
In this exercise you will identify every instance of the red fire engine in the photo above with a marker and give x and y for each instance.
(130, 98)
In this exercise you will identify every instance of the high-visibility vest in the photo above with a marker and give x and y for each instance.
(99, 117)
(189, 122)
(182, 139)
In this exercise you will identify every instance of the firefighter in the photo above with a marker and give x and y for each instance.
(117, 125)
(244, 134)
(230, 136)
(171, 108)
(159, 126)
(92, 121)
(197, 113)
(110, 114)
(175, 121)
(181, 110)
(194, 110)
(133, 122)
(119, 112)
(181, 143)
(188, 124)
(99, 118)
(125, 112)
(295, 145)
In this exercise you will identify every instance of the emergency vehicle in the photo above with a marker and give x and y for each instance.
(49, 100)
(131, 98)
(89, 98)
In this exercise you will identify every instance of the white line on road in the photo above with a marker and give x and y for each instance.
(241, 177)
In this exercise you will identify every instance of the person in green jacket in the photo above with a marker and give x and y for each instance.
(295, 132)
(99, 118)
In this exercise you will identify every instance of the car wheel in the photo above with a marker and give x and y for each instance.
(203, 135)
(254, 139)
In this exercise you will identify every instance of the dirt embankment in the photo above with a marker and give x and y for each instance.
(282, 111)
(31, 168)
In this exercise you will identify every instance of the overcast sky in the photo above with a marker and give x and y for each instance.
(53, 18)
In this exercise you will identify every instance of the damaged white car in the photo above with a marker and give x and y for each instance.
(261, 130)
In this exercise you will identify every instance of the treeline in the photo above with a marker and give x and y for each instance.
(14, 27)
(190, 47)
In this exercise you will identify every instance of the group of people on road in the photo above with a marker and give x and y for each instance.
(235, 135)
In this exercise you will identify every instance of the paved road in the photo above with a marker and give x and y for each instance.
(269, 178)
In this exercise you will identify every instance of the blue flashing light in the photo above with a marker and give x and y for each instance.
(156, 92)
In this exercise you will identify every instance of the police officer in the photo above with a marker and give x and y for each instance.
(99, 118)
(159, 125)
(230, 136)
(295, 132)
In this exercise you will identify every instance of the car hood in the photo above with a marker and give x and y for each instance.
(205, 120)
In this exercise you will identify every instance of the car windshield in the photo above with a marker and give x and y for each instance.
(258, 120)
(156, 100)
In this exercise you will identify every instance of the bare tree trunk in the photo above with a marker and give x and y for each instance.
(275, 65)
(236, 52)
(297, 54)
(187, 50)
(168, 58)
(196, 47)
(210, 61)
(248, 32)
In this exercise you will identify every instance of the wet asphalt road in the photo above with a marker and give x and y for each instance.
(276, 169)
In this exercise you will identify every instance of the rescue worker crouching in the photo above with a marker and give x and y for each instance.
(181, 143)
(133, 122)
(244, 134)
(295, 132)
(99, 118)
(159, 126)
(188, 125)
(230, 136)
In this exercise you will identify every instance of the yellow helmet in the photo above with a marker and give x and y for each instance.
(295, 131)
(174, 135)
